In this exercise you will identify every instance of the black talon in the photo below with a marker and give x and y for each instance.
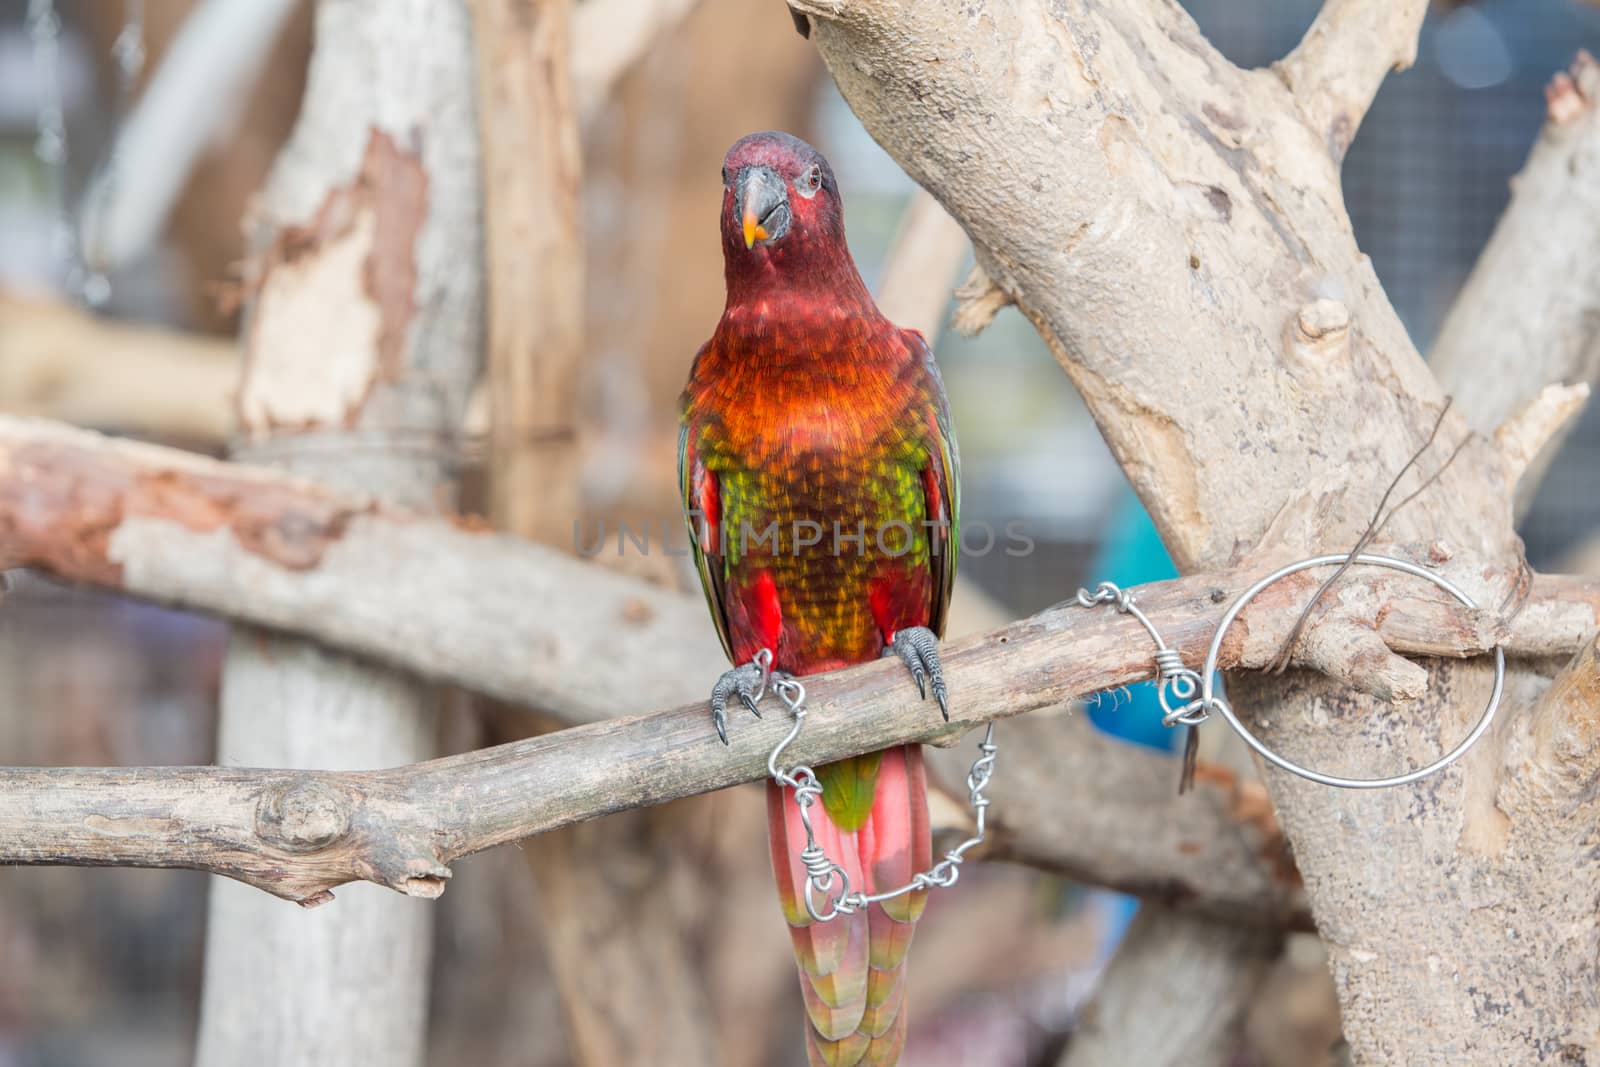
(918, 649)
(744, 682)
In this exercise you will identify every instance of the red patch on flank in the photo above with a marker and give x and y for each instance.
(755, 619)
(708, 501)
(930, 490)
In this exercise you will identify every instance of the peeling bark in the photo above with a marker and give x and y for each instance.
(461, 614)
(360, 347)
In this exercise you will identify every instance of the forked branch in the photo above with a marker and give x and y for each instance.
(1339, 65)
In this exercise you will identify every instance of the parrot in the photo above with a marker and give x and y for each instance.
(820, 479)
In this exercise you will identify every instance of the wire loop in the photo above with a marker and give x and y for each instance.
(1209, 670)
(1188, 697)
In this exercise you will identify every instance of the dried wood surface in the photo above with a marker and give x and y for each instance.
(1170, 960)
(59, 361)
(1196, 276)
(627, 978)
(360, 343)
(503, 794)
(268, 548)
(1528, 317)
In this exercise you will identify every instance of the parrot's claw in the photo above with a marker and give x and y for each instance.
(918, 649)
(743, 682)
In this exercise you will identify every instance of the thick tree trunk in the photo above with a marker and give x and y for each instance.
(360, 349)
(1196, 276)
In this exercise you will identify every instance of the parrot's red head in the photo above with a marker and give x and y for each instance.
(782, 220)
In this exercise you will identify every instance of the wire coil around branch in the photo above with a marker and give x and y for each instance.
(1197, 689)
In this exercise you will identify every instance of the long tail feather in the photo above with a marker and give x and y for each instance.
(853, 968)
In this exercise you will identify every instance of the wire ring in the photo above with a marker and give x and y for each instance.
(1208, 674)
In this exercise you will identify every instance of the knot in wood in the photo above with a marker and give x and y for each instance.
(1319, 338)
(302, 816)
(1323, 321)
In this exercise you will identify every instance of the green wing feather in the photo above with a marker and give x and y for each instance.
(711, 565)
(945, 460)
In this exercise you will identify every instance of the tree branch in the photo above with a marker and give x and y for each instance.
(445, 598)
(1228, 962)
(1340, 64)
(270, 549)
(60, 362)
(1529, 432)
(1197, 278)
(361, 340)
(298, 834)
(1565, 752)
(1528, 316)
(1072, 800)
(535, 262)
(921, 266)
(262, 547)
(1529, 313)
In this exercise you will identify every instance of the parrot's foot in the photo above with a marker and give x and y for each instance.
(744, 682)
(918, 649)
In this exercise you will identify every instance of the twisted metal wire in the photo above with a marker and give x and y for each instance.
(825, 877)
(1188, 697)
(1176, 685)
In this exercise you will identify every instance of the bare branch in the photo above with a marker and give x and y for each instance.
(1527, 433)
(270, 549)
(264, 545)
(1072, 800)
(446, 598)
(979, 301)
(1166, 959)
(299, 834)
(1339, 65)
(532, 168)
(62, 363)
(1357, 656)
(207, 71)
(1529, 314)
(1566, 732)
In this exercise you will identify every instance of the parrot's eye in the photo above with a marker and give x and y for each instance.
(809, 181)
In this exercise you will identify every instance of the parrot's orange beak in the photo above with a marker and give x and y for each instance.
(762, 204)
(753, 231)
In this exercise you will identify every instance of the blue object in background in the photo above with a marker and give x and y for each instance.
(1131, 553)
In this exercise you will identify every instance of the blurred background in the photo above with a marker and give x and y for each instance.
(103, 966)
